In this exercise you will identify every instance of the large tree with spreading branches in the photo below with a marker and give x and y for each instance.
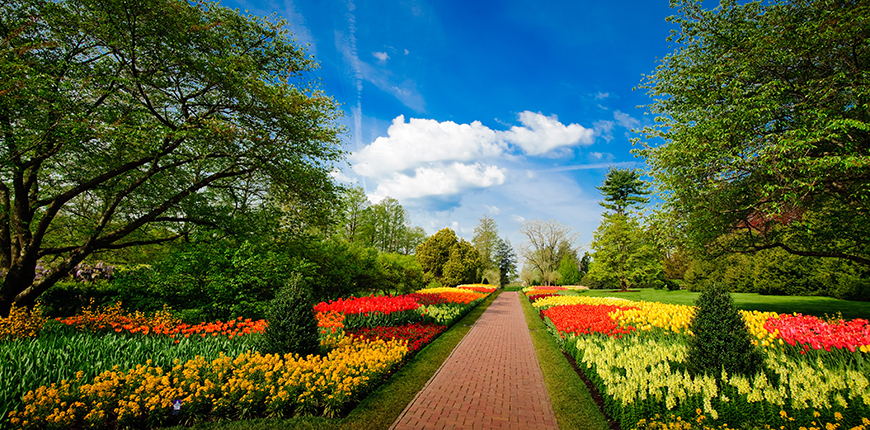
(762, 135)
(128, 122)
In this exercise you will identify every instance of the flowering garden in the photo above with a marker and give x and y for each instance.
(634, 353)
(107, 368)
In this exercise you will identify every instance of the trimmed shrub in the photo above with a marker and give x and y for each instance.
(292, 325)
(721, 339)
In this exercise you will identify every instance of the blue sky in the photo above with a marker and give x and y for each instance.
(515, 108)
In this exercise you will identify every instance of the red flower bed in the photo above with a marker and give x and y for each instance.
(418, 335)
(585, 319)
(428, 299)
(364, 305)
(811, 331)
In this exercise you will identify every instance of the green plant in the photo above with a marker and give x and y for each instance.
(292, 325)
(721, 339)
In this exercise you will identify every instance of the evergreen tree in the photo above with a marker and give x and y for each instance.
(292, 326)
(721, 339)
(623, 188)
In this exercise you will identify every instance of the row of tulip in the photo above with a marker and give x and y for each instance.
(245, 386)
(635, 354)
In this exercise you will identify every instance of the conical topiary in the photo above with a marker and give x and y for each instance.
(292, 326)
(721, 338)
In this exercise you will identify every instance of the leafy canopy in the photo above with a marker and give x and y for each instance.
(623, 188)
(125, 125)
(762, 128)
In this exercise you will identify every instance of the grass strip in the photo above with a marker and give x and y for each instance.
(382, 407)
(807, 305)
(572, 402)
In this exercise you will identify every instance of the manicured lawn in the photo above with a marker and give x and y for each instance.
(380, 408)
(571, 400)
(807, 305)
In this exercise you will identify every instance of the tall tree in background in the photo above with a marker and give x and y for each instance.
(485, 240)
(435, 251)
(354, 204)
(129, 124)
(622, 189)
(463, 265)
(384, 225)
(547, 242)
(763, 119)
(506, 259)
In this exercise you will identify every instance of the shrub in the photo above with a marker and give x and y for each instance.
(292, 324)
(721, 339)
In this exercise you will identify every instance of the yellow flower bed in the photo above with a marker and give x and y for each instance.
(21, 323)
(245, 386)
(548, 302)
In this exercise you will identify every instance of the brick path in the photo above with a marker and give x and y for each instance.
(492, 379)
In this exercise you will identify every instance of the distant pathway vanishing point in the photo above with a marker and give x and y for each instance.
(491, 380)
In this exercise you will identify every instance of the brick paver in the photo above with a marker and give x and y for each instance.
(492, 379)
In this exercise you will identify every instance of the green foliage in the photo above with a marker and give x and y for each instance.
(762, 113)
(292, 326)
(624, 255)
(623, 188)
(400, 274)
(486, 241)
(780, 273)
(506, 259)
(569, 273)
(463, 265)
(435, 251)
(215, 116)
(721, 339)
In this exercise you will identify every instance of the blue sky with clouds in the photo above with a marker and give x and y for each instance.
(514, 108)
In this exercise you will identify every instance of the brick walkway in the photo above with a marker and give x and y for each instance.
(492, 379)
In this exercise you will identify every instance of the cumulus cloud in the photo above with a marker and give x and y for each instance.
(419, 142)
(439, 181)
(518, 218)
(381, 56)
(541, 134)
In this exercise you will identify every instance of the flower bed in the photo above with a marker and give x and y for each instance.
(229, 387)
(416, 335)
(635, 352)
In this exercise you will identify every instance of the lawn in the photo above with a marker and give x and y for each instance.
(807, 305)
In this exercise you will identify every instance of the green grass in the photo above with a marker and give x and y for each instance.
(571, 400)
(382, 407)
(807, 305)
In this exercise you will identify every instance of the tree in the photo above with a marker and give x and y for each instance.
(463, 265)
(623, 188)
(410, 239)
(485, 240)
(622, 253)
(569, 272)
(384, 226)
(763, 127)
(506, 260)
(435, 251)
(129, 125)
(354, 204)
(548, 242)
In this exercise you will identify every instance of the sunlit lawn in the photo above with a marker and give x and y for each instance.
(807, 305)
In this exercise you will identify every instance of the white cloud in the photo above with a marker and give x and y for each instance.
(541, 134)
(407, 52)
(517, 218)
(601, 95)
(625, 120)
(381, 56)
(492, 209)
(439, 181)
(420, 142)
(596, 155)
